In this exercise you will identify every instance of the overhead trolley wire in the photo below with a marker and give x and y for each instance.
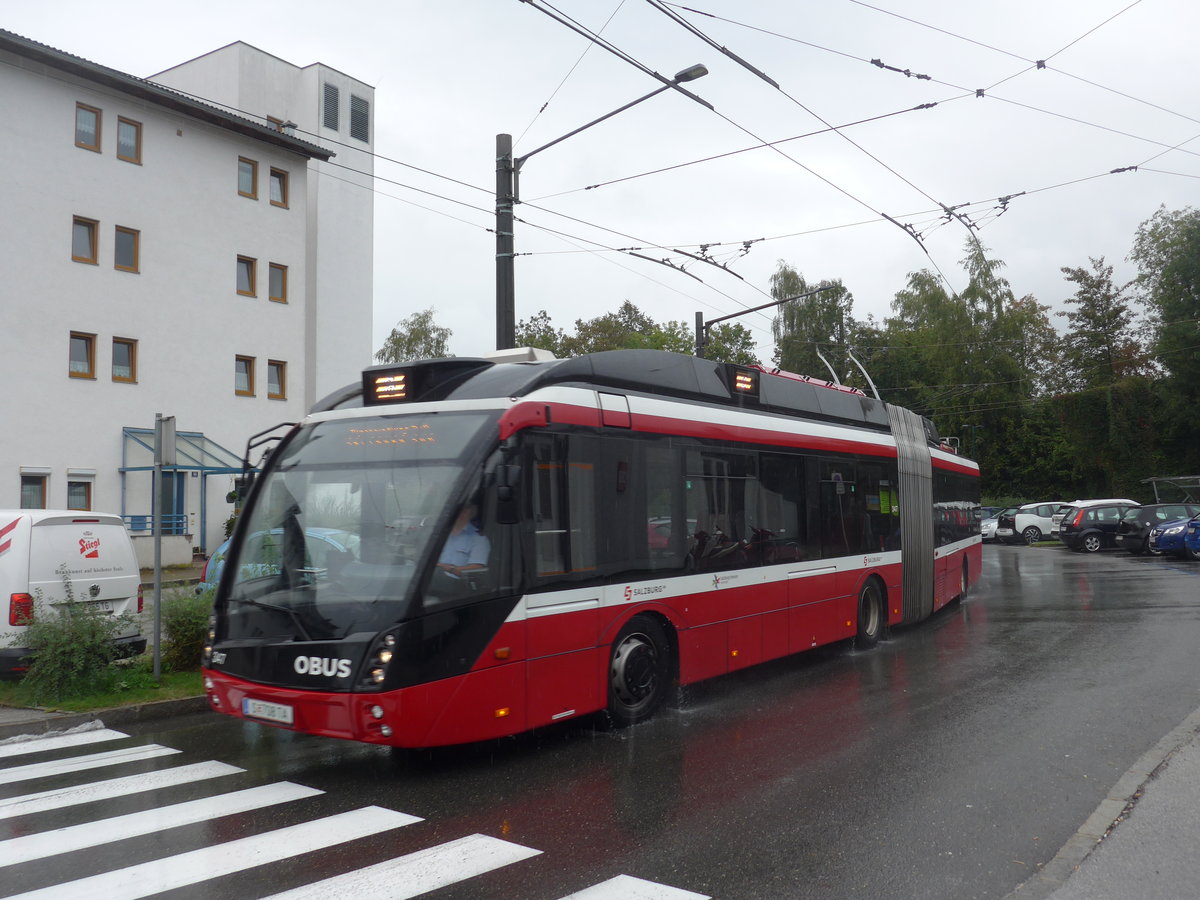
(675, 17)
(570, 72)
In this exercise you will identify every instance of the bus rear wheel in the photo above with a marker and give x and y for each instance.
(638, 671)
(870, 615)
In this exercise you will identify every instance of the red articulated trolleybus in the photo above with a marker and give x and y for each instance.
(460, 549)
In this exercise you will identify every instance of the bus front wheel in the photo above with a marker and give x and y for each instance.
(638, 671)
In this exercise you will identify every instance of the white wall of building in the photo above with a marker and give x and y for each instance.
(182, 306)
(340, 192)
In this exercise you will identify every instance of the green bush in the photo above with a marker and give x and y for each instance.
(185, 626)
(73, 649)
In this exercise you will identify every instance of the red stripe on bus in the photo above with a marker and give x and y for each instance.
(961, 468)
(799, 440)
(534, 415)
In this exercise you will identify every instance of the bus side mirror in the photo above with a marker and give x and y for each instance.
(507, 502)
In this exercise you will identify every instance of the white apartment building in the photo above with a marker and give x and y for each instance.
(162, 253)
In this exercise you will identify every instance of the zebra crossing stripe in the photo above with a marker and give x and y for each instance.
(58, 742)
(417, 873)
(625, 887)
(103, 831)
(113, 787)
(197, 866)
(82, 763)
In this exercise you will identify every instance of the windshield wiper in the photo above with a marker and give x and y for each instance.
(287, 610)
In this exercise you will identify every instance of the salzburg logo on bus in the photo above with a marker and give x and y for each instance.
(89, 547)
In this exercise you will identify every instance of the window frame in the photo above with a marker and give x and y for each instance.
(249, 360)
(99, 114)
(282, 296)
(132, 344)
(253, 275)
(282, 176)
(136, 159)
(93, 226)
(42, 484)
(137, 247)
(281, 367)
(89, 341)
(87, 490)
(253, 164)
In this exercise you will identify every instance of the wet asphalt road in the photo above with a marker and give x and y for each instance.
(949, 762)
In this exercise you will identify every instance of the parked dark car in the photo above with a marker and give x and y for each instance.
(1133, 531)
(1093, 526)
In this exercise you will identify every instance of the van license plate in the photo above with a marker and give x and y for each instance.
(272, 712)
(104, 606)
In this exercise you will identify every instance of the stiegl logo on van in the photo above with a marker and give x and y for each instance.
(319, 665)
(89, 546)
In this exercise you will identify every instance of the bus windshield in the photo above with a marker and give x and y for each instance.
(342, 523)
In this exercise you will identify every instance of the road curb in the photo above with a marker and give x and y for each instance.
(37, 721)
(1121, 799)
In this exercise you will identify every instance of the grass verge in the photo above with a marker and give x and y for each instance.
(138, 687)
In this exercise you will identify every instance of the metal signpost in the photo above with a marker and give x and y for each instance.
(164, 455)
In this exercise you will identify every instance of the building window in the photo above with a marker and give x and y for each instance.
(245, 276)
(87, 127)
(126, 249)
(124, 360)
(279, 187)
(278, 289)
(276, 379)
(360, 118)
(243, 376)
(33, 492)
(247, 178)
(79, 495)
(83, 355)
(129, 140)
(329, 116)
(83, 239)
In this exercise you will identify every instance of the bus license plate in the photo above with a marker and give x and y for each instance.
(272, 712)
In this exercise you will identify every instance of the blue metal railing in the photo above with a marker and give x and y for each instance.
(144, 524)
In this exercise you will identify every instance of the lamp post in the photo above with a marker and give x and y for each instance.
(508, 171)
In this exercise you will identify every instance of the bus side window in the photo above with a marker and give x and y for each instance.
(562, 497)
(717, 485)
(779, 528)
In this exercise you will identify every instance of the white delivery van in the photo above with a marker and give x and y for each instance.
(41, 550)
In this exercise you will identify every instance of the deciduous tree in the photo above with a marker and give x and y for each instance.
(416, 337)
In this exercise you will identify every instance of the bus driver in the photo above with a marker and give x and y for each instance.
(466, 549)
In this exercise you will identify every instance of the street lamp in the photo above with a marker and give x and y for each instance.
(508, 171)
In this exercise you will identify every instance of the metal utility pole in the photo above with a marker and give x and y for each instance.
(508, 172)
(506, 325)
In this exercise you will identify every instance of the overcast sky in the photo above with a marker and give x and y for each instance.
(863, 204)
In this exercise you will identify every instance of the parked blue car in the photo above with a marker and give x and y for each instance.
(1168, 538)
(1191, 538)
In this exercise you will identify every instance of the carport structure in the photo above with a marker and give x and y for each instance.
(196, 454)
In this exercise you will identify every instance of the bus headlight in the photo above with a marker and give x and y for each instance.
(379, 658)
